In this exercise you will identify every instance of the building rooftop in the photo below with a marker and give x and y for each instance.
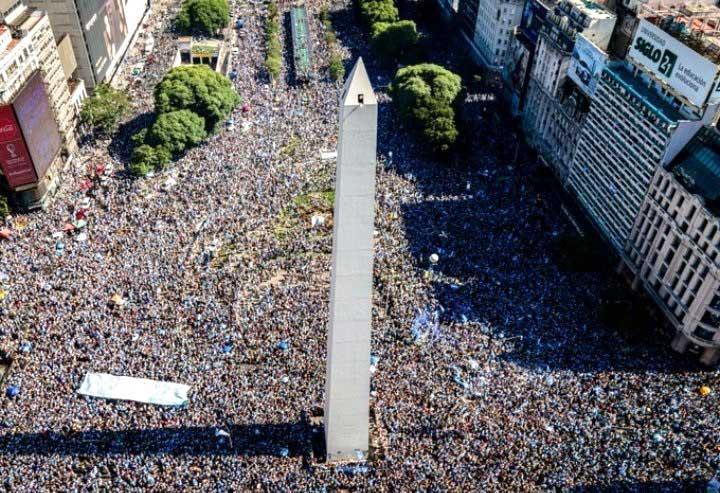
(695, 24)
(592, 9)
(697, 167)
(640, 90)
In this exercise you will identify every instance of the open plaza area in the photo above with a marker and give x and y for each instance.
(491, 368)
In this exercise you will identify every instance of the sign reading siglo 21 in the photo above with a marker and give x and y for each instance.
(669, 60)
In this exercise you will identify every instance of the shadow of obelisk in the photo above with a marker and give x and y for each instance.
(347, 391)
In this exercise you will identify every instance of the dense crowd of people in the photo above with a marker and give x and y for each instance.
(490, 368)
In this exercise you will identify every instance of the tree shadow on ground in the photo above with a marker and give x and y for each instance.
(286, 439)
(681, 485)
(121, 145)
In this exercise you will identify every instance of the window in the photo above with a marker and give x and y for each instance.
(703, 334)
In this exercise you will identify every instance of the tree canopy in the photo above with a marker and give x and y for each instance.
(104, 110)
(199, 89)
(146, 158)
(426, 94)
(177, 131)
(392, 40)
(374, 11)
(204, 16)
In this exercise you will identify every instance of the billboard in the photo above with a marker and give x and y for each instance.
(586, 64)
(37, 121)
(670, 61)
(715, 94)
(533, 19)
(14, 158)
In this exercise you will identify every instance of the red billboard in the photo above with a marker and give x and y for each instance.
(14, 157)
(37, 122)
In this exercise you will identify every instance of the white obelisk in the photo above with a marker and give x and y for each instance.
(347, 389)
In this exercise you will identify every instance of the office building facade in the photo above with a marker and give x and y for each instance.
(39, 104)
(489, 27)
(556, 105)
(100, 32)
(674, 246)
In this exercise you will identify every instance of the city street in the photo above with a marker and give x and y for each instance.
(492, 370)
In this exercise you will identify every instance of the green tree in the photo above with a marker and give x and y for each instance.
(203, 16)
(426, 94)
(337, 69)
(199, 89)
(177, 130)
(104, 110)
(440, 129)
(4, 207)
(392, 40)
(375, 11)
(146, 158)
(273, 47)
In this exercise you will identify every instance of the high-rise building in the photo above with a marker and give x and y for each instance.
(28, 44)
(556, 103)
(674, 246)
(521, 58)
(629, 132)
(489, 26)
(643, 112)
(38, 104)
(100, 32)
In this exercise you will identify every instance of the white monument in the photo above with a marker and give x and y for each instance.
(347, 389)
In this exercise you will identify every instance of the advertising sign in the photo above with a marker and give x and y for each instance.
(670, 61)
(715, 94)
(36, 119)
(586, 64)
(533, 18)
(14, 158)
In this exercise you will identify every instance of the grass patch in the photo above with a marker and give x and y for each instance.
(295, 221)
(290, 149)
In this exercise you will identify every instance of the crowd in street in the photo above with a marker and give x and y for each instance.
(491, 370)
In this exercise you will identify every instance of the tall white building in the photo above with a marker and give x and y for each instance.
(100, 32)
(39, 103)
(27, 44)
(674, 246)
(489, 26)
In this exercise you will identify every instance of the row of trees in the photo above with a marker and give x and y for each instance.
(190, 103)
(273, 46)
(336, 66)
(203, 16)
(429, 96)
(391, 37)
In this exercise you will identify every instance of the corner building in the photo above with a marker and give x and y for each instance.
(674, 246)
(28, 48)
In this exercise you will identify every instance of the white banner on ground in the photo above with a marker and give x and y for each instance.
(107, 386)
